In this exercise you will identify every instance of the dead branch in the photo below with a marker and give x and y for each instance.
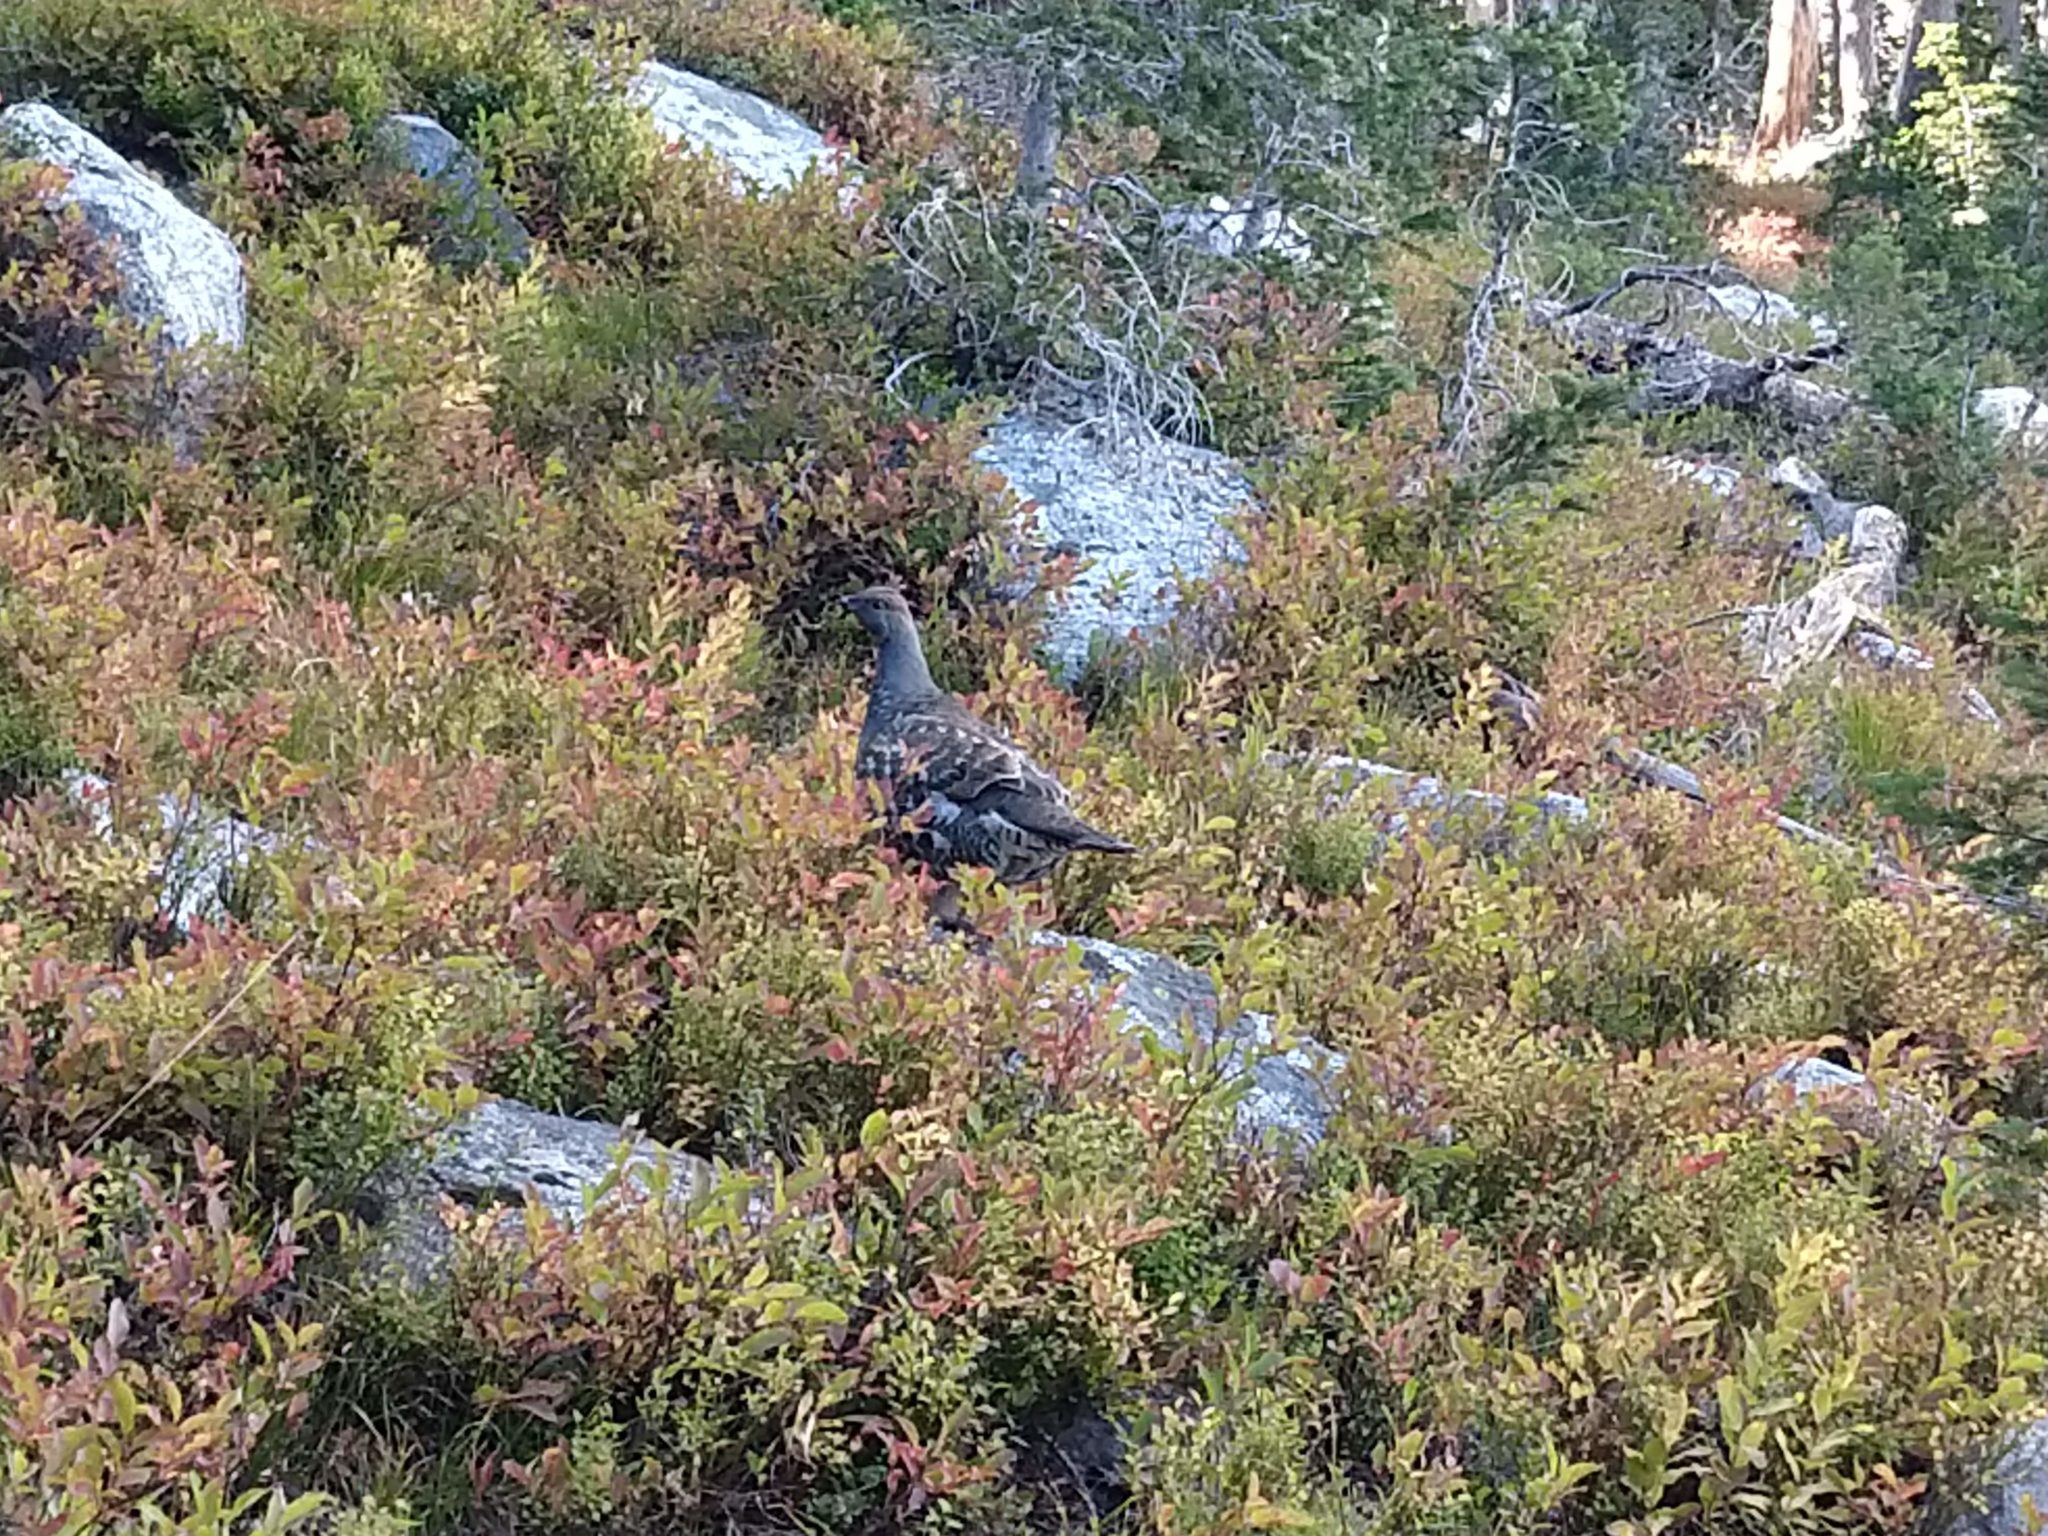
(1661, 773)
(1703, 278)
(1451, 808)
(1792, 636)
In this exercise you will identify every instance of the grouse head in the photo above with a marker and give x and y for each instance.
(900, 671)
(882, 612)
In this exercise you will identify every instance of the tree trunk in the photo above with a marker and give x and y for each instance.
(1912, 79)
(1856, 62)
(1791, 73)
(2012, 28)
(1041, 135)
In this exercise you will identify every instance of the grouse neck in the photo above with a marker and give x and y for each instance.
(900, 672)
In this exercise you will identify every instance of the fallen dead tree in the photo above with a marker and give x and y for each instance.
(1882, 869)
(1677, 372)
(1845, 606)
(1451, 809)
(1787, 638)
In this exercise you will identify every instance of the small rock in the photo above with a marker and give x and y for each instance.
(1851, 1101)
(1717, 480)
(484, 229)
(1798, 478)
(1813, 1076)
(1139, 513)
(205, 854)
(1980, 709)
(1750, 305)
(493, 1156)
(1829, 517)
(2015, 415)
(1240, 230)
(1883, 651)
(1291, 1092)
(768, 149)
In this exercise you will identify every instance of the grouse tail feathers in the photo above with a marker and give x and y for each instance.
(1092, 841)
(1050, 819)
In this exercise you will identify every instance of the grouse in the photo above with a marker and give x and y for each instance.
(983, 801)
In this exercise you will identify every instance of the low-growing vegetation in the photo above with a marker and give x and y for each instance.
(503, 600)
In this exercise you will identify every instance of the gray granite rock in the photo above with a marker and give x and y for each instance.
(480, 227)
(1137, 514)
(768, 149)
(1289, 1093)
(2014, 1498)
(493, 1157)
(177, 271)
(174, 266)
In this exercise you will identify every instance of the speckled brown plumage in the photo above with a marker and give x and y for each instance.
(962, 793)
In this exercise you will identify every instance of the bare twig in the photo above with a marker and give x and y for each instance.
(1702, 278)
(199, 1037)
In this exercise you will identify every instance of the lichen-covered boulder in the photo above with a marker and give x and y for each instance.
(768, 148)
(480, 227)
(1138, 513)
(1288, 1093)
(493, 1157)
(175, 267)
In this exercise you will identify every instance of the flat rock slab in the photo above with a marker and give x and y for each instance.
(1138, 514)
(482, 228)
(493, 1157)
(1449, 809)
(1288, 1093)
(174, 266)
(768, 148)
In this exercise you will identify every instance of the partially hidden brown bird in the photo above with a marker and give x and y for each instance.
(960, 791)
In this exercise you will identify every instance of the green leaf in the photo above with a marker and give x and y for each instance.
(124, 1402)
(874, 1130)
(1729, 1391)
(767, 1340)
